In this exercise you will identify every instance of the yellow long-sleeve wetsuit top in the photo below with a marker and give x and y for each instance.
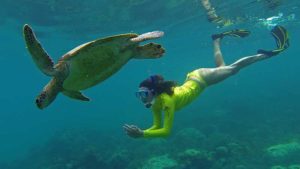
(182, 96)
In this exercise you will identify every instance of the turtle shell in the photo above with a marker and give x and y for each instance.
(95, 61)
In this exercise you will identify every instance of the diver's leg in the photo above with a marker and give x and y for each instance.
(217, 53)
(246, 61)
(241, 33)
(215, 75)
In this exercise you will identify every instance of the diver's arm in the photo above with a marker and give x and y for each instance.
(156, 112)
(165, 131)
(136, 132)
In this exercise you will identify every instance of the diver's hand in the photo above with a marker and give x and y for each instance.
(133, 131)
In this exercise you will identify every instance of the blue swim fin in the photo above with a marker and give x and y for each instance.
(281, 37)
(240, 33)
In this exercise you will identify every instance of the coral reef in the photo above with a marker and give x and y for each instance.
(278, 167)
(293, 166)
(285, 153)
(281, 150)
(193, 158)
(187, 148)
(160, 162)
(188, 137)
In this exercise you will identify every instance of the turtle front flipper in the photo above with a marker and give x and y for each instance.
(147, 36)
(75, 95)
(39, 55)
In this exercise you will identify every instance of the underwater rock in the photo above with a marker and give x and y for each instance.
(153, 144)
(294, 166)
(287, 153)
(89, 161)
(236, 148)
(188, 137)
(119, 159)
(160, 162)
(278, 167)
(240, 167)
(191, 153)
(193, 158)
(221, 152)
(282, 150)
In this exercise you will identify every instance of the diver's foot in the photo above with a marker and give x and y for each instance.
(215, 19)
(268, 53)
(281, 37)
(217, 36)
(240, 33)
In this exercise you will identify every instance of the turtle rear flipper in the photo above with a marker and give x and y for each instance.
(75, 95)
(39, 55)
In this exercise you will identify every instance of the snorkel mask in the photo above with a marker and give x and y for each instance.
(147, 90)
(146, 96)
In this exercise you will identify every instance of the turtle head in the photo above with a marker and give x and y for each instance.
(44, 99)
(150, 51)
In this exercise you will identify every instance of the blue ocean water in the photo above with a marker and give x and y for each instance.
(234, 122)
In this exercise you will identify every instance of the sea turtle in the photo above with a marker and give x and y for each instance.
(89, 63)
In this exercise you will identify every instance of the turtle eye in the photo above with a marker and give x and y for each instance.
(158, 46)
(37, 101)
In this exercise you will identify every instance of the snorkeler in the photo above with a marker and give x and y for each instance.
(212, 15)
(165, 96)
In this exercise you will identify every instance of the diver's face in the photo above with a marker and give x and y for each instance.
(146, 96)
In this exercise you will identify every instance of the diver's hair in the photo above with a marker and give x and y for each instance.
(158, 85)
